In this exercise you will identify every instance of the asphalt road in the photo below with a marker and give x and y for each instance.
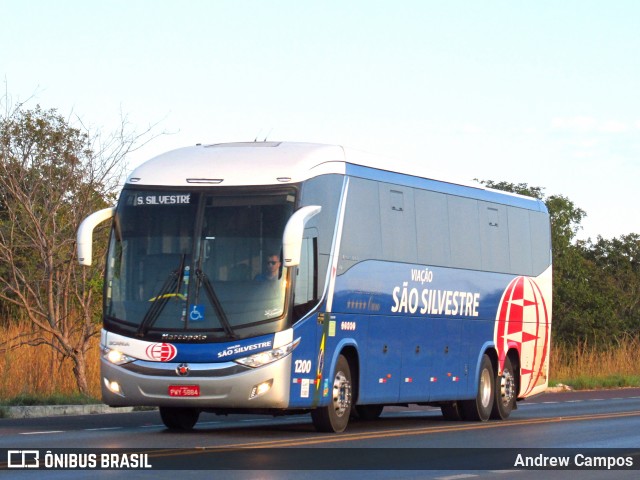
(550, 426)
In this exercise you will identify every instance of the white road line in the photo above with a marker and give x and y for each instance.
(103, 428)
(41, 433)
(457, 477)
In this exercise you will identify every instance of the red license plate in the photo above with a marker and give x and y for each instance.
(184, 390)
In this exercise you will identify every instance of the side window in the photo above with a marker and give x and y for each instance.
(432, 228)
(398, 222)
(541, 241)
(520, 241)
(463, 229)
(326, 191)
(361, 236)
(494, 237)
(306, 281)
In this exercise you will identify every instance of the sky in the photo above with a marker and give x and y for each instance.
(545, 93)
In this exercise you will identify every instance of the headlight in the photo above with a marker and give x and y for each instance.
(116, 356)
(263, 358)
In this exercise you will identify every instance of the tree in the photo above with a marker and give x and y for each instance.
(52, 175)
(618, 260)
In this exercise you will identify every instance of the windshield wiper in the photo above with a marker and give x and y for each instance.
(215, 301)
(171, 285)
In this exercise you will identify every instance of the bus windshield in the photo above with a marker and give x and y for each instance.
(190, 264)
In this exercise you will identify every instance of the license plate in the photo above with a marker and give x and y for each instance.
(184, 390)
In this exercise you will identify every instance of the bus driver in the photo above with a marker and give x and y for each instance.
(271, 269)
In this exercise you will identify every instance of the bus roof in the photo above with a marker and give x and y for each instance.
(277, 163)
(248, 163)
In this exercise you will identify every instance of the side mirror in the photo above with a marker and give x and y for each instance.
(85, 233)
(293, 231)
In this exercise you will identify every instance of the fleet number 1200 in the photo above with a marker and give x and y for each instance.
(303, 366)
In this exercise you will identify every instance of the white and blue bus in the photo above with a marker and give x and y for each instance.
(281, 278)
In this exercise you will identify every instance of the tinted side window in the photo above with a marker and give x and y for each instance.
(463, 230)
(397, 215)
(494, 237)
(306, 282)
(432, 228)
(409, 225)
(520, 241)
(361, 237)
(325, 191)
(541, 240)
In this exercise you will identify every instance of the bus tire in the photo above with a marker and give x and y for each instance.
(335, 416)
(506, 392)
(369, 412)
(451, 411)
(175, 418)
(479, 409)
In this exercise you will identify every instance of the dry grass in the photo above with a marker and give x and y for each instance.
(587, 366)
(40, 372)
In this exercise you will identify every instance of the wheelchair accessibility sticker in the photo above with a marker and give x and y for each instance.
(196, 313)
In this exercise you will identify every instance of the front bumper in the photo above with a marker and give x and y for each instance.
(221, 385)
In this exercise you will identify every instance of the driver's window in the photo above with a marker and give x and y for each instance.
(306, 282)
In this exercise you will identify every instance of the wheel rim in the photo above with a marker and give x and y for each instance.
(485, 388)
(507, 387)
(341, 394)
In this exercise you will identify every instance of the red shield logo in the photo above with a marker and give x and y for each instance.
(161, 352)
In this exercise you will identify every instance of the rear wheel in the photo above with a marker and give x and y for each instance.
(506, 392)
(335, 416)
(176, 418)
(451, 411)
(480, 407)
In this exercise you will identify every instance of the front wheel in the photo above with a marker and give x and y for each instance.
(480, 407)
(176, 418)
(335, 416)
(369, 412)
